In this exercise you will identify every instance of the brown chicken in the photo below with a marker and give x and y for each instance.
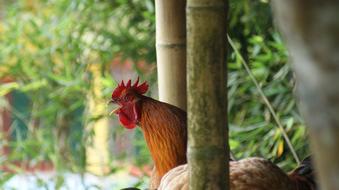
(163, 125)
(165, 130)
(251, 174)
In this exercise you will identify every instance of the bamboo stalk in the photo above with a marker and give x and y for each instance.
(171, 51)
(208, 150)
(311, 30)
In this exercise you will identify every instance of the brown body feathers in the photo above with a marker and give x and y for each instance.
(165, 131)
(250, 174)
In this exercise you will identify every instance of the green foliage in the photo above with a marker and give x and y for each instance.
(48, 50)
(51, 48)
(253, 132)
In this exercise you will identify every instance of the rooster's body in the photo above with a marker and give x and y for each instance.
(250, 174)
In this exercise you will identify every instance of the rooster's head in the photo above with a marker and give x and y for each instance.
(127, 97)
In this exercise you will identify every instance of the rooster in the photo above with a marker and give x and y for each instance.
(165, 131)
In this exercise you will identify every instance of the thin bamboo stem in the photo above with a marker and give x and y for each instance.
(171, 51)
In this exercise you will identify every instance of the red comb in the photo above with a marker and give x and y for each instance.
(140, 89)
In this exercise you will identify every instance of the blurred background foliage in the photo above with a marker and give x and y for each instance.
(50, 48)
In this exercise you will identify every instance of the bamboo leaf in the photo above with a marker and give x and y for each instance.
(8, 87)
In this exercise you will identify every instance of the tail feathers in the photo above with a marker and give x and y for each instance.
(304, 176)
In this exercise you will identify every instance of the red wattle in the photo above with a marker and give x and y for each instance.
(125, 121)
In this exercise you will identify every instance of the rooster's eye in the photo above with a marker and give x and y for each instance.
(127, 98)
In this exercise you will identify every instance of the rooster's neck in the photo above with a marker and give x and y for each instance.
(164, 128)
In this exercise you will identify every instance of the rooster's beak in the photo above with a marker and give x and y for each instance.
(110, 102)
(114, 111)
